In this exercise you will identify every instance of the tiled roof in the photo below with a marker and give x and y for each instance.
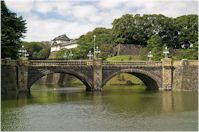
(62, 37)
(71, 42)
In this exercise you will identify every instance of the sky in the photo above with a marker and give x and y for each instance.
(46, 19)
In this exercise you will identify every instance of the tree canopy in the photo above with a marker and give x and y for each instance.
(37, 50)
(86, 42)
(12, 30)
(137, 29)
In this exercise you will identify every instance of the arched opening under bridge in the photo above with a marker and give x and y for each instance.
(151, 82)
(59, 80)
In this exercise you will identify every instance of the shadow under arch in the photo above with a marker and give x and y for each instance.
(79, 76)
(151, 81)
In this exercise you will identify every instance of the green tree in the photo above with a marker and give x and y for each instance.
(37, 50)
(86, 42)
(187, 27)
(60, 54)
(125, 29)
(12, 30)
(189, 53)
(106, 50)
(155, 45)
(136, 29)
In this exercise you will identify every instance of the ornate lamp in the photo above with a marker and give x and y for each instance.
(166, 52)
(90, 55)
(94, 36)
(150, 55)
(65, 55)
(97, 50)
(70, 55)
(22, 52)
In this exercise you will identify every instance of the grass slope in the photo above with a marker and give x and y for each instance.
(124, 58)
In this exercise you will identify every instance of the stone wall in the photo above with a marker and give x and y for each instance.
(127, 49)
(8, 79)
(185, 75)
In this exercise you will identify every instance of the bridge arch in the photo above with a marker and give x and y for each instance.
(32, 78)
(151, 81)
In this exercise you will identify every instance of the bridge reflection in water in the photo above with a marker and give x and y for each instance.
(116, 108)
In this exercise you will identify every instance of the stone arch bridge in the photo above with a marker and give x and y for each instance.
(95, 73)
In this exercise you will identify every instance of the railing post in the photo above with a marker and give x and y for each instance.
(97, 74)
(167, 74)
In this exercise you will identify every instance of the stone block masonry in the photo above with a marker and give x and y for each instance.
(166, 74)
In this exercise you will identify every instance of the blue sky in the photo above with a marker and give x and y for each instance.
(47, 19)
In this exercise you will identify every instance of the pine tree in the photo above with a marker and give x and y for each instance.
(12, 30)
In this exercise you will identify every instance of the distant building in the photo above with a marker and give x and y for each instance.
(63, 42)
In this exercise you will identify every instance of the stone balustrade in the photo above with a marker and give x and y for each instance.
(59, 62)
(180, 62)
(8, 62)
(132, 63)
(90, 62)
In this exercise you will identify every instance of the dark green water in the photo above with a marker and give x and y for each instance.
(115, 108)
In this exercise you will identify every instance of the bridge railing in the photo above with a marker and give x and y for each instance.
(90, 62)
(132, 63)
(193, 62)
(59, 62)
(8, 62)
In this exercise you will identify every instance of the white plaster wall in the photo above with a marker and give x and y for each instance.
(70, 46)
(55, 48)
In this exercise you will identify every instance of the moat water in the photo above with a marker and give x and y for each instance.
(115, 108)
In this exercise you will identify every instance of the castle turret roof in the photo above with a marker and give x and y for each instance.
(62, 37)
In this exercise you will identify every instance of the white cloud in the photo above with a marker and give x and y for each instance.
(44, 7)
(168, 7)
(85, 15)
(84, 11)
(45, 30)
(20, 5)
(61, 6)
(111, 3)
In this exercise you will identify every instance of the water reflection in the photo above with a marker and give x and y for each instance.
(115, 104)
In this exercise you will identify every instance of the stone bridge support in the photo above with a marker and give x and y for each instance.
(167, 74)
(22, 76)
(97, 75)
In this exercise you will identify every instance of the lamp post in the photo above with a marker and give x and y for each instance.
(97, 50)
(166, 52)
(94, 36)
(90, 55)
(150, 55)
(191, 46)
(185, 46)
(65, 55)
(22, 52)
(70, 55)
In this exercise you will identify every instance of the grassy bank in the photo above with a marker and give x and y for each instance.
(124, 58)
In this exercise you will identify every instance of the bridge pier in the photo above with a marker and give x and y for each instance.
(97, 75)
(167, 74)
(22, 76)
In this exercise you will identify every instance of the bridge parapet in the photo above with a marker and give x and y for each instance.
(8, 62)
(178, 63)
(193, 62)
(60, 62)
(132, 63)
